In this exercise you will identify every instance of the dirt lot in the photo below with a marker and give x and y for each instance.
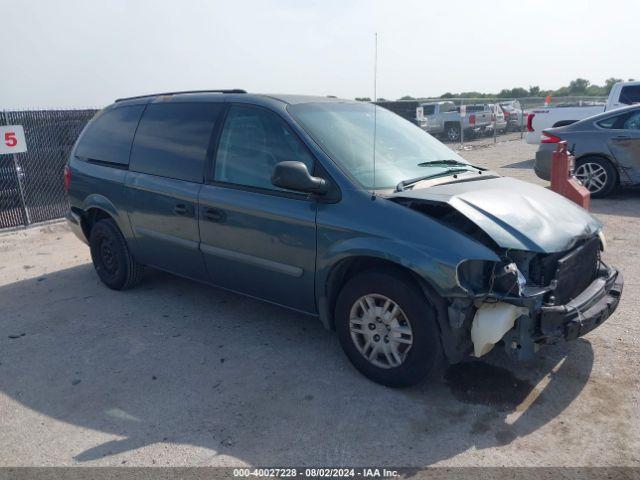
(177, 373)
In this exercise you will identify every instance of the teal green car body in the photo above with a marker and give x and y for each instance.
(295, 249)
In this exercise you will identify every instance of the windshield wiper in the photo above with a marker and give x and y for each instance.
(449, 162)
(405, 183)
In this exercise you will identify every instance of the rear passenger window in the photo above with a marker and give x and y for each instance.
(630, 94)
(173, 138)
(252, 142)
(619, 122)
(108, 137)
(632, 122)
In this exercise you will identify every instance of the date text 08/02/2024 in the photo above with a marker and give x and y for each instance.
(316, 472)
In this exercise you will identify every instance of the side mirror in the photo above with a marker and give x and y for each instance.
(295, 176)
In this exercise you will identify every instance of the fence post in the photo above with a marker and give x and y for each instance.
(21, 190)
(495, 121)
(461, 126)
(521, 119)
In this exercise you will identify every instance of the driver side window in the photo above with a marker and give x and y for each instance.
(252, 143)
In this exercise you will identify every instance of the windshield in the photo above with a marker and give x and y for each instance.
(345, 132)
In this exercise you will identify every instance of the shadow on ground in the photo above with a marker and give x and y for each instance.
(623, 202)
(526, 164)
(175, 361)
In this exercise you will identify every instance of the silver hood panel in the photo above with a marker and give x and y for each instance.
(515, 214)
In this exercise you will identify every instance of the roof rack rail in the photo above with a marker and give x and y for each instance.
(232, 90)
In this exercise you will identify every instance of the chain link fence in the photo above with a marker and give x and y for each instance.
(31, 184)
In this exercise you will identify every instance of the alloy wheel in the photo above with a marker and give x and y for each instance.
(592, 175)
(380, 330)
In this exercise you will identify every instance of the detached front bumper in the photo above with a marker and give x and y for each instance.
(585, 312)
(532, 323)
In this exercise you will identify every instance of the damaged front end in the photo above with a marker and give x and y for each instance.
(549, 283)
(529, 299)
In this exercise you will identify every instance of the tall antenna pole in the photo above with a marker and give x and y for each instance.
(375, 108)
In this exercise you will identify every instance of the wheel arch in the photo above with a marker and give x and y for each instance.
(91, 216)
(346, 268)
(97, 207)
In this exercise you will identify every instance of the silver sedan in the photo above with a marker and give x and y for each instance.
(606, 148)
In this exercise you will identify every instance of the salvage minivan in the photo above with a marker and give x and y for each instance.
(341, 210)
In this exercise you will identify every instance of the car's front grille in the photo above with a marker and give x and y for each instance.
(571, 271)
(576, 270)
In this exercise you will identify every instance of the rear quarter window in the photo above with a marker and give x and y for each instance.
(172, 139)
(109, 135)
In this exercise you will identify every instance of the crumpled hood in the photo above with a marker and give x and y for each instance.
(515, 214)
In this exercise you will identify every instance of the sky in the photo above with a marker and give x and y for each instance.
(75, 54)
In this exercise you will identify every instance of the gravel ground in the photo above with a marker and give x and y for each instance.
(177, 373)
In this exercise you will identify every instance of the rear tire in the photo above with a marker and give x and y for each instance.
(452, 132)
(597, 174)
(407, 347)
(111, 257)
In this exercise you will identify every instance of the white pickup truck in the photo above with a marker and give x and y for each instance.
(539, 119)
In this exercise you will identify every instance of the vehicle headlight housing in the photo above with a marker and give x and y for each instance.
(481, 277)
(603, 240)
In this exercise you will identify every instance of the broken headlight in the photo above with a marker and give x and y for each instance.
(480, 277)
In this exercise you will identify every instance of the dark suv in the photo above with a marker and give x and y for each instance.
(342, 210)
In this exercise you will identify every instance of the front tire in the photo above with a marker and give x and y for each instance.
(111, 257)
(387, 328)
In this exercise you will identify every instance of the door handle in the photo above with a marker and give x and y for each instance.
(622, 136)
(182, 209)
(214, 215)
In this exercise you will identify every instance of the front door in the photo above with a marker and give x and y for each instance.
(256, 238)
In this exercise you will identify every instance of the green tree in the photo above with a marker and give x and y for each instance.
(472, 95)
(363, 99)
(597, 91)
(407, 97)
(579, 86)
(519, 92)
